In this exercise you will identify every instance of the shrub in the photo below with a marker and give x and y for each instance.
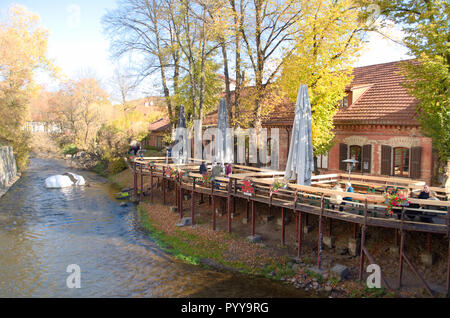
(117, 165)
(70, 149)
(100, 168)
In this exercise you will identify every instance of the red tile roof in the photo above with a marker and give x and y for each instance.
(385, 101)
(159, 125)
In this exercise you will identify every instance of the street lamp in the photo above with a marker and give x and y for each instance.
(350, 166)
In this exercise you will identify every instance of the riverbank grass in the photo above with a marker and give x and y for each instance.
(201, 246)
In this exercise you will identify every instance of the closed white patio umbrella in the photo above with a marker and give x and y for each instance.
(300, 163)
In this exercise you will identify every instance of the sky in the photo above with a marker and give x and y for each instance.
(78, 45)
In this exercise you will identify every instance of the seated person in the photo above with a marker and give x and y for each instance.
(410, 214)
(349, 188)
(203, 168)
(228, 169)
(425, 193)
(428, 217)
(336, 198)
(216, 171)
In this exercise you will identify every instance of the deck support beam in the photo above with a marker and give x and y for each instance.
(253, 217)
(300, 234)
(193, 202)
(319, 239)
(282, 226)
(229, 205)
(151, 185)
(141, 195)
(213, 198)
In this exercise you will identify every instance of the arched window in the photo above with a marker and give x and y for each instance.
(355, 153)
(401, 161)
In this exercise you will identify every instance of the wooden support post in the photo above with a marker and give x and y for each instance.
(141, 195)
(402, 246)
(164, 189)
(363, 244)
(151, 185)
(135, 180)
(180, 200)
(193, 202)
(248, 209)
(300, 234)
(177, 197)
(361, 254)
(448, 269)
(448, 260)
(282, 226)
(253, 217)
(229, 205)
(213, 207)
(319, 240)
(330, 226)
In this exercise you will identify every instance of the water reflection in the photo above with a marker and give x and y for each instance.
(42, 231)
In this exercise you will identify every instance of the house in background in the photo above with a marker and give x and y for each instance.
(157, 130)
(375, 125)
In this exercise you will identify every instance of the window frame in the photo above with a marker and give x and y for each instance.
(358, 166)
(402, 173)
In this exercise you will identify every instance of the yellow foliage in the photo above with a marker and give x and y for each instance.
(23, 49)
(329, 43)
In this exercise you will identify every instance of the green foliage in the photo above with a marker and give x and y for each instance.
(189, 95)
(70, 149)
(319, 277)
(369, 293)
(426, 25)
(117, 165)
(101, 168)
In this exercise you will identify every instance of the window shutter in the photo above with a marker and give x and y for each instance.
(416, 155)
(342, 156)
(366, 158)
(386, 154)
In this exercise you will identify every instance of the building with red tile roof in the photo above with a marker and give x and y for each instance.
(376, 125)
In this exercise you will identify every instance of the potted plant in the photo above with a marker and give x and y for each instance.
(274, 187)
(395, 201)
(205, 180)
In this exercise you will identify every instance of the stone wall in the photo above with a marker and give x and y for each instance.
(8, 169)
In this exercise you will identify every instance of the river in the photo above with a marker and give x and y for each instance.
(42, 231)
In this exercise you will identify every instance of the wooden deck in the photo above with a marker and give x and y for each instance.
(363, 208)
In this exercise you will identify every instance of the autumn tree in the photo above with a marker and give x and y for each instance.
(23, 49)
(81, 107)
(268, 31)
(426, 25)
(330, 35)
(142, 29)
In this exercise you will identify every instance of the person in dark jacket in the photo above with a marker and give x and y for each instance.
(203, 169)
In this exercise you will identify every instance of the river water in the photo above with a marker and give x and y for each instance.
(42, 231)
